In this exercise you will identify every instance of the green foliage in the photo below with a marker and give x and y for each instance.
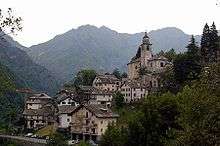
(117, 73)
(83, 143)
(209, 44)
(170, 55)
(112, 137)
(118, 99)
(85, 77)
(57, 139)
(186, 68)
(10, 101)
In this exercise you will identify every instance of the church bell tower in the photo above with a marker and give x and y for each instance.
(146, 53)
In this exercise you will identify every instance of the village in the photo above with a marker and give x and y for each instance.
(85, 113)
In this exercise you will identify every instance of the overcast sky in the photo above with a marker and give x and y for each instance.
(44, 19)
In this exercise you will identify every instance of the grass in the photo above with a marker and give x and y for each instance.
(46, 131)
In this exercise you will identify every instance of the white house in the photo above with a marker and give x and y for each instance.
(133, 91)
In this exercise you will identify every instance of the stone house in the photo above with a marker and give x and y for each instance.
(107, 82)
(39, 111)
(98, 96)
(90, 121)
(133, 91)
(64, 116)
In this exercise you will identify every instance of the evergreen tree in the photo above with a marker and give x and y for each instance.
(205, 43)
(213, 43)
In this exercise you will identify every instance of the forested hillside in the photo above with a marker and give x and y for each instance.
(9, 99)
(30, 74)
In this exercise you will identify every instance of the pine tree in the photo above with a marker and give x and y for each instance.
(193, 50)
(205, 43)
(213, 43)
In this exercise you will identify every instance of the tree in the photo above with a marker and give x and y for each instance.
(124, 75)
(205, 43)
(85, 77)
(117, 73)
(170, 55)
(193, 58)
(57, 139)
(9, 23)
(112, 137)
(213, 43)
(118, 99)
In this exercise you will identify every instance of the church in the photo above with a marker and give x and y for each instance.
(146, 66)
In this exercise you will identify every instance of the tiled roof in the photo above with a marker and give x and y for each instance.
(107, 78)
(38, 112)
(135, 84)
(66, 109)
(101, 111)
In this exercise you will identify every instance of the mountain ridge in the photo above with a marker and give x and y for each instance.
(100, 48)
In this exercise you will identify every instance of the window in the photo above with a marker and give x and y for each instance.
(63, 102)
(101, 130)
(68, 120)
(151, 65)
(155, 83)
(87, 114)
(87, 122)
(134, 94)
(161, 64)
(101, 122)
(136, 67)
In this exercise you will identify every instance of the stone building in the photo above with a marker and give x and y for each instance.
(106, 82)
(64, 116)
(91, 121)
(145, 65)
(39, 111)
(133, 91)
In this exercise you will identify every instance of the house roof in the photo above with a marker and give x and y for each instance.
(100, 111)
(66, 109)
(40, 96)
(135, 84)
(45, 111)
(94, 91)
(107, 78)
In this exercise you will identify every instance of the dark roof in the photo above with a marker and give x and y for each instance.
(107, 78)
(135, 84)
(45, 111)
(100, 111)
(92, 90)
(66, 109)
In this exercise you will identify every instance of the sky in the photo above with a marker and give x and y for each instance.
(44, 19)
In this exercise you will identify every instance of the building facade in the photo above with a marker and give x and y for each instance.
(91, 121)
(133, 91)
(39, 111)
(144, 63)
(106, 82)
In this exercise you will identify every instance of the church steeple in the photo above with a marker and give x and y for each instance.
(146, 53)
(146, 41)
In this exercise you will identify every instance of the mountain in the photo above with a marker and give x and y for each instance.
(101, 49)
(28, 73)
